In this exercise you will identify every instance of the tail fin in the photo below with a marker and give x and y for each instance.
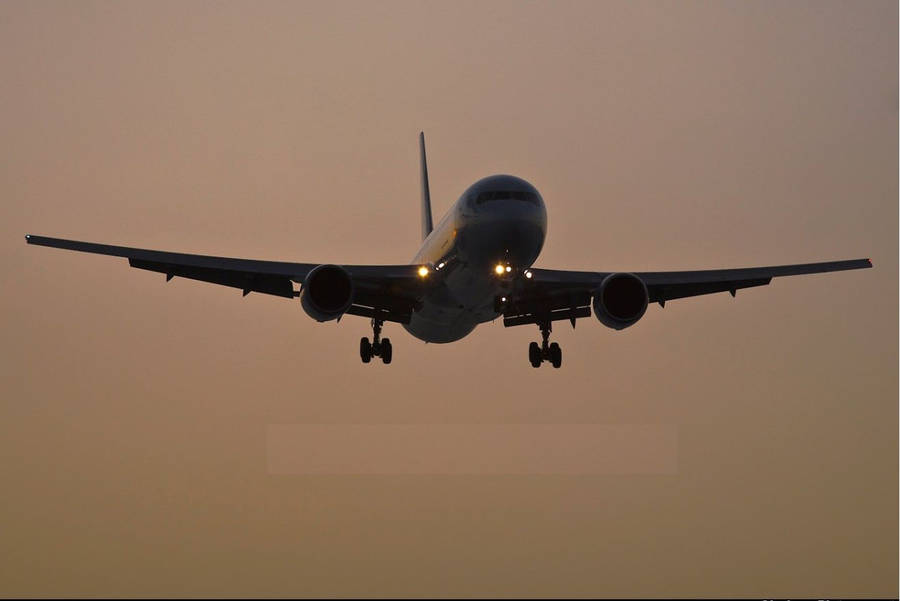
(426, 194)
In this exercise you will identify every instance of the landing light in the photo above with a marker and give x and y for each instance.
(529, 275)
(508, 269)
(423, 271)
(499, 269)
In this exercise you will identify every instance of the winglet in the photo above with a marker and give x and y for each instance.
(426, 193)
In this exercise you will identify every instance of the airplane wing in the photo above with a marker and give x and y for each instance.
(567, 294)
(391, 290)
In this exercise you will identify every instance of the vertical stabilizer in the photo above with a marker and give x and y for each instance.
(426, 194)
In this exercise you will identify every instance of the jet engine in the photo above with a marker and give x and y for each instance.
(620, 300)
(327, 292)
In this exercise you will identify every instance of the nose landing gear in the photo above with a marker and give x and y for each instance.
(546, 351)
(376, 348)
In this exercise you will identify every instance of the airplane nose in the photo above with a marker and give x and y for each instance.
(520, 240)
(508, 232)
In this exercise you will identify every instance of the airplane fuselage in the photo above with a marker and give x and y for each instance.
(500, 220)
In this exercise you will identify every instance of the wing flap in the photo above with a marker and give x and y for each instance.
(570, 313)
(663, 293)
(246, 281)
(382, 314)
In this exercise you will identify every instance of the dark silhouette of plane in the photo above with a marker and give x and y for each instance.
(474, 266)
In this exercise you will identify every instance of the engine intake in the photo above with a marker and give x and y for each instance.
(327, 292)
(621, 300)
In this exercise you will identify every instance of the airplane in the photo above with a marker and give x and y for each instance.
(473, 267)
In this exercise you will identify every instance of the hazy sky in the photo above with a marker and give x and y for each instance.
(133, 437)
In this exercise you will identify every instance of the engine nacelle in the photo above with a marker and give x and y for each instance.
(327, 292)
(620, 300)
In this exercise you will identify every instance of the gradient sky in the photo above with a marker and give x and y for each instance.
(661, 135)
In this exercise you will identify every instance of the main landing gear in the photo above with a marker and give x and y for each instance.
(551, 352)
(376, 348)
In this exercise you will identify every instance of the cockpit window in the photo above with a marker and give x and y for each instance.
(506, 195)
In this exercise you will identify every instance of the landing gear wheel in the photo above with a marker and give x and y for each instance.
(555, 355)
(387, 351)
(534, 354)
(365, 350)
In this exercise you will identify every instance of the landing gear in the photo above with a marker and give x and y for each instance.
(546, 351)
(376, 348)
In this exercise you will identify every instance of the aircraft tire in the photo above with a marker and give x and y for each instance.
(387, 351)
(534, 354)
(555, 355)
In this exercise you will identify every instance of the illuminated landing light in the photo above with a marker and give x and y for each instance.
(441, 265)
(499, 269)
(502, 299)
(528, 274)
(423, 271)
(508, 269)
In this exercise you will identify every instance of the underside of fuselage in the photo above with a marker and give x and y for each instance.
(500, 220)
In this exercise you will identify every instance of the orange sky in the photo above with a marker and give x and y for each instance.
(661, 135)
